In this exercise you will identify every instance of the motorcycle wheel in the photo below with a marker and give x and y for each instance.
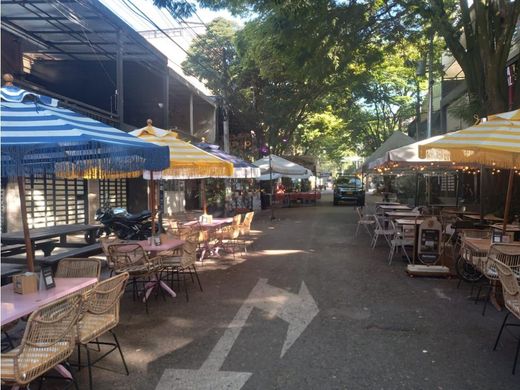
(92, 235)
(466, 271)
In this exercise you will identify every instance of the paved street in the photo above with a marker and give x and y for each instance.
(340, 316)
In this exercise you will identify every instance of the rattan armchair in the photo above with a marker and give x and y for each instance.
(101, 315)
(511, 290)
(131, 258)
(228, 236)
(49, 339)
(78, 268)
(105, 243)
(182, 264)
(469, 263)
(245, 227)
(508, 254)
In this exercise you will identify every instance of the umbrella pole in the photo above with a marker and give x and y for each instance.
(481, 196)
(508, 199)
(25, 225)
(203, 195)
(152, 201)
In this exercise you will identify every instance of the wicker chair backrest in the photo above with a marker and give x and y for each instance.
(508, 254)
(125, 255)
(245, 227)
(105, 243)
(78, 268)
(510, 287)
(49, 338)
(53, 323)
(105, 297)
(189, 252)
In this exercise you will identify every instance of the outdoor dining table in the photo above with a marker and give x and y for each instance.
(154, 250)
(385, 207)
(45, 233)
(215, 223)
(383, 203)
(476, 216)
(209, 227)
(15, 306)
(411, 222)
(481, 245)
(402, 214)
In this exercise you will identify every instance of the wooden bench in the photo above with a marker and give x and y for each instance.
(10, 250)
(83, 251)
(8, 270)
(47, 246)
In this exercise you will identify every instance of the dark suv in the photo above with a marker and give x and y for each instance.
(349, 189)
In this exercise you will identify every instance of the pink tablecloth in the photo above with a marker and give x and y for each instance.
(216, 222)
(166, 245)
(15, 306)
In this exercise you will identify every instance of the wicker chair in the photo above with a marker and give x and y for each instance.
(245, 227)
(131, 258)
(508, 254)
(5, 329)
(78, 268)
(183, 264)
(228, 236)
(101, 315)
(511, 290)
(364, 220)
(49, 339)
(105, 243)
(469, 263)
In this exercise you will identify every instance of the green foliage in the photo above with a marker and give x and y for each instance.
(320, 77)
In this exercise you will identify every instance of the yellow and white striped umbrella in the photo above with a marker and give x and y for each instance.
(186, 160)
(495, 142)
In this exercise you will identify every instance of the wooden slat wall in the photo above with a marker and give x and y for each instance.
(52, 201)
(113, 193)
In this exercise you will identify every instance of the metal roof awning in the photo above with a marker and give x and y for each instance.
(75, 30)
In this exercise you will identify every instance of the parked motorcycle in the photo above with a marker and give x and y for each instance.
(124, 225)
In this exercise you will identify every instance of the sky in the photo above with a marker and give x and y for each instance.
(132, 16)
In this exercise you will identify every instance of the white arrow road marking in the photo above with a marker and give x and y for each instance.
(297, 310)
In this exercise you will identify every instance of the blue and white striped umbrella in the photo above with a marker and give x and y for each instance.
(39, 137)
(241, 168)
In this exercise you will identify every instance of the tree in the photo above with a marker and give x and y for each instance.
(479, 37)
(307, 61)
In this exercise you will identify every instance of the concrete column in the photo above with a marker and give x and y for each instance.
(13, 211)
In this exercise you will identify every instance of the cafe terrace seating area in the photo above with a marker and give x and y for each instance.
(72, 323)
(450, 243)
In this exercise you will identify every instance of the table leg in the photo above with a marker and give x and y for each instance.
(156, 282)
(493, 298)
(63, 372)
